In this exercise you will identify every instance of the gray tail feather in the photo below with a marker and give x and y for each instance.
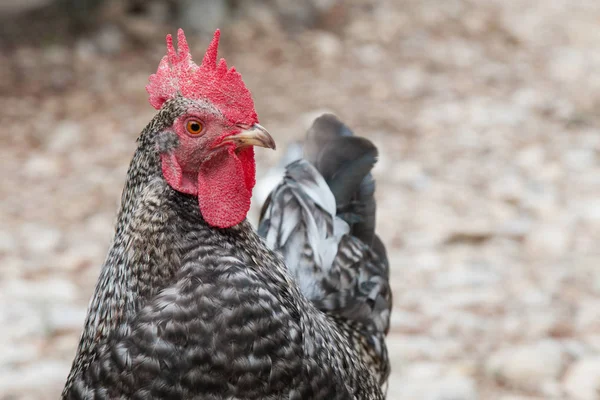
(345, 161)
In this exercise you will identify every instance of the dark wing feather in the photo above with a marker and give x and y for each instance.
(321, 218)
(345, 162)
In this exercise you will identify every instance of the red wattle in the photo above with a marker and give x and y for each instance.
(175, 177)
(223, 193)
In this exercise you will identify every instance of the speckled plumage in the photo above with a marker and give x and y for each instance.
(185, 310)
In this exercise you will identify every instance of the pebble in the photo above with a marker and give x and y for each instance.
(409, 81)
(509, 187)
(41, 166)
(203, 16)
(65, 318)
(110, 40)
(547, 240)
(7, 241)
(369, 54)
(20, 319)
(40, 291)
(407, 322)
(410, 173)
(39, 238)
(11, 355)
(588, 315)
(519, 397)
(14, 7)
(417, 347)
(528, 366)
(590, 210)
(465, 278)
(434, 388)
(582, 380)
(39, 374)
(65, 137)
(328, 45)
(593, 341)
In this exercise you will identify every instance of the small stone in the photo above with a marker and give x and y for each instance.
(434, 388)
(42, 291)
(546, 322)
(412, 347)
(475, 298)
(65, 137)
(455, 388)
(423, 370)
(588, 316)
(582, 381)
(590, 210)
(464, 278)
(39, 374)
(547, 240)
(508, 188)
(410, 173)
(369, 54)
(158, 12)
(530, 158)
(324, 5)
(38, 238)
(101, 225)
(427, 260)
(110, 40)
(85, 50)
(516, 228)
(81, 256)
(7, 241)
(576, 349)
(579, 159)
(15, 7)
(40, 166)
(409, 81)
(593, 341)
(22, 320)
(203, 16)
(406, 322)
(527, 367)
(527, 97)
(551, 390)
(328, 45)
(66, 318)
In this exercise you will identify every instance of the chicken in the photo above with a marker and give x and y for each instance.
(321, 218)
(190, 301)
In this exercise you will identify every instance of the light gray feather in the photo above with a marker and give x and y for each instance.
(321, 219)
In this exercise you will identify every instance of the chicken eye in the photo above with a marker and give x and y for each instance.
(194, 127)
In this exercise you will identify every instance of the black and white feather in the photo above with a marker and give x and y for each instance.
(183, 310)
(321, 218)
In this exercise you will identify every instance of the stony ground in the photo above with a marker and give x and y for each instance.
(485, 113)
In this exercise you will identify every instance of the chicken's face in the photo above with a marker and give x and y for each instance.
(213, 159)
(208, 151)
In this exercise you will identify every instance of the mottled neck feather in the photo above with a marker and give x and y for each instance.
(146, 249)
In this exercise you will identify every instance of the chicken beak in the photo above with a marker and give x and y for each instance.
(256, 135)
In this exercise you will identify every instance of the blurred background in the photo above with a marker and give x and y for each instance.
(485, 113)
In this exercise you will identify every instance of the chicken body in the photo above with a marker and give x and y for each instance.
(185, 310)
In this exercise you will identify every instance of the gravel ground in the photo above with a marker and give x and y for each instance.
(488, 181)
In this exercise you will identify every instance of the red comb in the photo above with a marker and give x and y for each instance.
(223, 87)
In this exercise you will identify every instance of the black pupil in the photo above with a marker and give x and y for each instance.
(195, 126)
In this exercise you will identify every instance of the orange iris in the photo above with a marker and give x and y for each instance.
(194, 127)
